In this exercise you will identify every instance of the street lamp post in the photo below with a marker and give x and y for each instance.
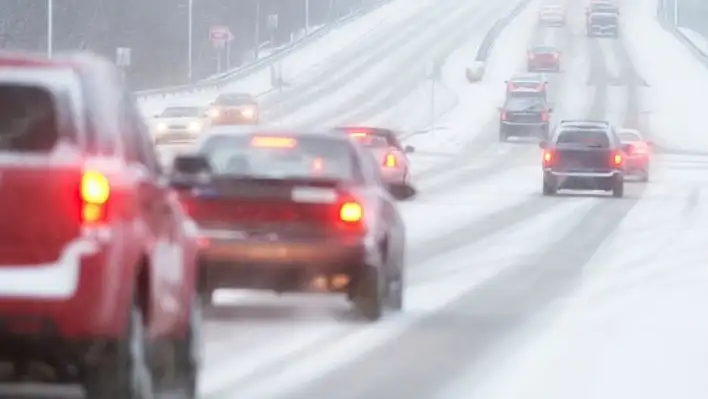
(307, 17)
(50, 28)
(190, 28)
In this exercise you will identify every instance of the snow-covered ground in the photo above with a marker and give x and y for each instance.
(675, 100)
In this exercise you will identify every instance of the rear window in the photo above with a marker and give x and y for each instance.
(585, 137)
(526, 94)
(234, 99)
(179, 112)
(629, 137)
(369, 140)
(28, 119)
(280, 157)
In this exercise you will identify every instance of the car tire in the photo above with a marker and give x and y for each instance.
(369, 295)
(189, 355)
(549, 189)
(618, 188)
(123, 372)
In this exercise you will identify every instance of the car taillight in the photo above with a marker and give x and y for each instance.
(95, 191)
(390, 161)
(351, 212)
(548, 158)
(640, 148)
(544, 116)
(532, 56)
(617, 159)
(503, 115)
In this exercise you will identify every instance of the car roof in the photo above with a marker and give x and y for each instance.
(247, 130)
(528, 77)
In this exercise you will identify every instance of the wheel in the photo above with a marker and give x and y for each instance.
(368, 294)
(549, 189)
(189, 355)
(123, 371)
(396, 285)
(618, 189)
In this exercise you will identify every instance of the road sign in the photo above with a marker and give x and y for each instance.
(272, 22)
(220, 35)
(123, 56)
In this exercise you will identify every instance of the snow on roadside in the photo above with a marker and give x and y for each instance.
(678, 82)
(696, 39)
(310, 56)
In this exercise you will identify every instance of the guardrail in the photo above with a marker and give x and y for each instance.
(485, 48)
(217, 82)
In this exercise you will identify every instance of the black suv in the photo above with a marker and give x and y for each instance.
(583, 155)
(524, 116)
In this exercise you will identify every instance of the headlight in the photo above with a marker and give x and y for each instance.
(213, 112)
(161, 127)
(194, 127)
(248, 112)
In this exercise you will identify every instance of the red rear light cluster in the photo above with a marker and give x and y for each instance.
(503, 115)
(390, 160)
(549, 158)
(95, 192)
(349, 215)
(544, 116)
(617, 159)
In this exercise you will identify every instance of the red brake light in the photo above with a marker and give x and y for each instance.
(390, 161)
(548, 158)
(617, 159)
(544, 116)
(640, 148)
(503, 115)
(95, 192)
(351, 212)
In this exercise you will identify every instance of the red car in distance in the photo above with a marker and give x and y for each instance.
(543, 59)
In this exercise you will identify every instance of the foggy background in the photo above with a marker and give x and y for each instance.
(157, 30)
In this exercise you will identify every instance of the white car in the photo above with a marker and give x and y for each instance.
(551, 15)
(179, 123)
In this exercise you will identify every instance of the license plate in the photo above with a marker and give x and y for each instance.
(268, 252)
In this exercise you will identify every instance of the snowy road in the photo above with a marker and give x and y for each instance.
(510, 294)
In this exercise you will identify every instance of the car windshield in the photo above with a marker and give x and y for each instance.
(181, 112)
(280, 157)
(585, 137)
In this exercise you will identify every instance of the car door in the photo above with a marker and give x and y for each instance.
(392, 222)
(158, 214)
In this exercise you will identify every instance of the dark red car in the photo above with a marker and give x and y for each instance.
(543, 59)
(294, 211)
(97, 258)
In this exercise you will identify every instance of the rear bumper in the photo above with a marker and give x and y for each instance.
(79, 297)
(278, 266)
(604, 180)
(636, 165)
(552, 22)
(398, 175)
(176, 135)
(234, 120)
(603, 29)
(543, 65)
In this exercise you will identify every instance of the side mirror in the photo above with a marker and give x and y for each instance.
(401, 191)
(409, 149)
(543, 145)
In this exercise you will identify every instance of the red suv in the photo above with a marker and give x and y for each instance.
(97, 257)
